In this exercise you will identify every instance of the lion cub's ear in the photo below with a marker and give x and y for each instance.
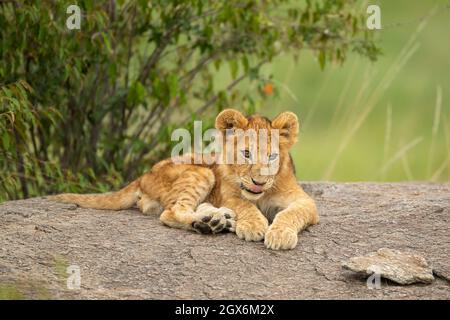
(287, 123)
(230, 119)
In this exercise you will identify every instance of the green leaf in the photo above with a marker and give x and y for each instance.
(107, 42)
(233, 68)
(140, 91)
(217, 64)
(7, 92)
(6, 139)
(173, 85)
(245, 63)
(322, 59)
(136, 94)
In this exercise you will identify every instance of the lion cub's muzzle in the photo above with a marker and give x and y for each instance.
(254, 189)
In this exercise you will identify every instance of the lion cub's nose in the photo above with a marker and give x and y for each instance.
(258, 183)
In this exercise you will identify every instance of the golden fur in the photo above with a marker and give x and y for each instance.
(210, 198)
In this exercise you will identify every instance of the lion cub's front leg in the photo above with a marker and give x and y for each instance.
(251, 224)
(283, 232)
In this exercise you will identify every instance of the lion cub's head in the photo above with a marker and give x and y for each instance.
(259, 148)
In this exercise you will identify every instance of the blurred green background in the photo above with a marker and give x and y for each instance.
(89, 110)
(374, 121)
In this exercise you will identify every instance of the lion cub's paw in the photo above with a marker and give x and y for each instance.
(281, 238)
(210, 219)
(252, 230)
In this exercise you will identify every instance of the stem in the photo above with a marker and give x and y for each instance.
(20, 166)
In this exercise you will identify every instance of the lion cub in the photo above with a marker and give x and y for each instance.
(241, 196)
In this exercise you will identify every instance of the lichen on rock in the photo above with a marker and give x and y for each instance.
(400, 267)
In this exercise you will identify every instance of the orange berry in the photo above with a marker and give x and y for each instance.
(268, 89)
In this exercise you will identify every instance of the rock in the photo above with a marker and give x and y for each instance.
(398, 266)
(127, 255)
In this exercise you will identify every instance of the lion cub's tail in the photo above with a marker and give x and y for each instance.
(122, 199)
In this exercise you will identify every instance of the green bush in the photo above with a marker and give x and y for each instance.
(87, 110)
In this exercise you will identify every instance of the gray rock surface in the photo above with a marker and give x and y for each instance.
(400, 267)
(128, 255)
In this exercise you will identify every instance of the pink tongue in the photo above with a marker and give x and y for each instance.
(256, 188)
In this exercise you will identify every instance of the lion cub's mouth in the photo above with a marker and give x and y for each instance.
(253, 190)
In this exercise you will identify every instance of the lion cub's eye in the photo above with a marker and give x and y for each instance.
(273, 156)
(247, 154)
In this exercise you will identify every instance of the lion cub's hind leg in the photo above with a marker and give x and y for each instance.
(149, 206)
(180, 204)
